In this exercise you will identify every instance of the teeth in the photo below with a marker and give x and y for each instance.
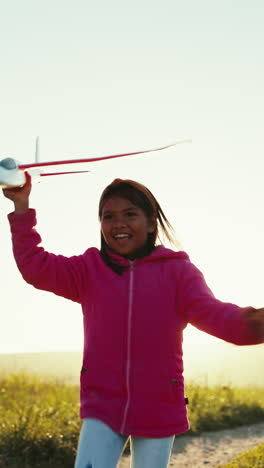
(121, 236)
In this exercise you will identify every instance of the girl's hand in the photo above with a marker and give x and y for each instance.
(20, 195)
(255, 318)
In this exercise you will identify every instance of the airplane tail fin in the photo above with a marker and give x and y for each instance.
(37, 150)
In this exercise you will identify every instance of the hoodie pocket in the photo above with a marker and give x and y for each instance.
(87, 387)
(173, 390)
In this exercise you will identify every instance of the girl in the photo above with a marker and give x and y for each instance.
(136, 298)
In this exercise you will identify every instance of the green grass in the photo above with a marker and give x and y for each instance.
(39, 424)
(223, 407)
(252, 459)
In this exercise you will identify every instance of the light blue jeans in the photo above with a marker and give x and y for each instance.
(100, 447)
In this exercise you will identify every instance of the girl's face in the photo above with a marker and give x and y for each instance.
(125, 226)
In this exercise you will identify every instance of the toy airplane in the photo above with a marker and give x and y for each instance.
(12, 174)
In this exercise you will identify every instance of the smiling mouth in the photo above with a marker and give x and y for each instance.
(121, 236)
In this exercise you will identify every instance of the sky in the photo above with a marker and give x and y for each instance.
(98, 78)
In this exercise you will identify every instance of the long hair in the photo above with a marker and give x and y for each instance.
(141, 197)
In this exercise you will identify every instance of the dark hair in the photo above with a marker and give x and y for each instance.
(142, 197)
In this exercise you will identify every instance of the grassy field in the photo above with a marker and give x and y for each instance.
(40, 424)
(252, 459)
(223, 407)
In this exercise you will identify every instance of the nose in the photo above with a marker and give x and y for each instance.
(119, 221)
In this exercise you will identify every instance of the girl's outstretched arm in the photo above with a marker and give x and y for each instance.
(227, 321)
(20, 196)
(255, 319)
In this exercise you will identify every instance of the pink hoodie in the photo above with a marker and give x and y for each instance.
(132, 361)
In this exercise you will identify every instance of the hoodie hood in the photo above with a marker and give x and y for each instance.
(159, 253)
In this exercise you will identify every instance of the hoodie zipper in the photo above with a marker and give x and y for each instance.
(129, 326)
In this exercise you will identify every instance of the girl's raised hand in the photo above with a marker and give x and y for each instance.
(20, 195)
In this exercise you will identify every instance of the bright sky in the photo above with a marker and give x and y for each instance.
(104, 77)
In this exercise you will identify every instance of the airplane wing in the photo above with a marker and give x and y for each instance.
(12, 174)
(61, 173)
(98, 158)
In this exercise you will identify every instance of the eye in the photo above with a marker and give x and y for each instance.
(107, 216)
(131, 213)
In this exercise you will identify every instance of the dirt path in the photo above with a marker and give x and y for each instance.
(211, 449)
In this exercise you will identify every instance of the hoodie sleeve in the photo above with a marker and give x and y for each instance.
(64, 276)
(223, 320)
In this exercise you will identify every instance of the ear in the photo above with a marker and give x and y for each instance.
(152, 224)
